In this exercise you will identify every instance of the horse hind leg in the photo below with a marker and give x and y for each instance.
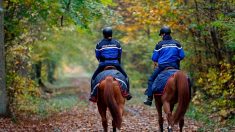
(158, 105)
(160, 121)
(121, 113)
(170, 124)
(167, 109)
(170, 129)
(120, 102)
(114, 126)
(181, 124)
(121, 108)
(102, 110)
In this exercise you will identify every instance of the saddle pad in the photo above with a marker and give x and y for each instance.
(161, 80)
(114, 73)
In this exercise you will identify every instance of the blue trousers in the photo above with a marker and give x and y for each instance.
(154, 75)
(101, 68)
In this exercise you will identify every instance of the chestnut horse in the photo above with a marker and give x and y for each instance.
(109, 96)
(176, 90)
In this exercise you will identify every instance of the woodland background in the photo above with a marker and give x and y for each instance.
(44, 39)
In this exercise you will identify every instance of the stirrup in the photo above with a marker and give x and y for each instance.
(148, 102)
(93, 99)
(128, 97)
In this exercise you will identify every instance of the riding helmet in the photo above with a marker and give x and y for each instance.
(165, 30)
(107, 32)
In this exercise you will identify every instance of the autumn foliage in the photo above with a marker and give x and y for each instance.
(217, 87)
(205, 30)
(41, 36)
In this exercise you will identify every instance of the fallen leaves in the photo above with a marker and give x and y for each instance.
(137, 118)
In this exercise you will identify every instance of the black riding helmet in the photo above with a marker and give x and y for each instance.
(107, 32)
(165, 30)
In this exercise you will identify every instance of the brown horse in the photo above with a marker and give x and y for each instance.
(109, 96)
(176, 90)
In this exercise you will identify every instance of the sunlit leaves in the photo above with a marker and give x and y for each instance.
(146, 17)
(21, 91)
(219, 85)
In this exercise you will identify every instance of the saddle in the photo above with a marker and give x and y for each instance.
(110, 71)
(161, 80)
(110, 68)
(168, 68)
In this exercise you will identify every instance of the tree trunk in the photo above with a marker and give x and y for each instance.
(38, 68)
(3, 94)
(51, 65)
(67, 10)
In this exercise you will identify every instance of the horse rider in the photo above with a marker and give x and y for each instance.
(108, 53)
(167, 53)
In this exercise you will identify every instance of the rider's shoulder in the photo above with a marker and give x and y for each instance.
(116, 41)
(160, 43)
(99, 43)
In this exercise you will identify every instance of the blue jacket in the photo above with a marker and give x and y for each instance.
(108, 51)
(168, 50)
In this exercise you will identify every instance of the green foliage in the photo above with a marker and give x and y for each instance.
(23, 94)
(218, 87)
(67, 46)
(107, 2)
(137, 62)
(32, 34)
(226, 23)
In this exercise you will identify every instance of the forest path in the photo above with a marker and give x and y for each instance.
(85, 116)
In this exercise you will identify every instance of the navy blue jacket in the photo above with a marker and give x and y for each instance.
(108, 51)
(168, 50)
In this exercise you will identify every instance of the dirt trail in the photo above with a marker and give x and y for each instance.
(137, 118)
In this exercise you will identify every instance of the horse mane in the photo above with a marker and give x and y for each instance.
(182, 87)
(111, 102)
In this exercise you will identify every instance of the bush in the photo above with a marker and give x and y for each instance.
(23, 94)
(218, 88)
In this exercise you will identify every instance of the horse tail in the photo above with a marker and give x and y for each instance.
(182, 87)
(111, 102)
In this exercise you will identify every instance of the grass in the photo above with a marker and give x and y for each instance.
(59, 103)
(195, 114)
(138, 96)
(65, 99)
(60, 83)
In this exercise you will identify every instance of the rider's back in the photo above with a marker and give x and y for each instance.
(108, 51)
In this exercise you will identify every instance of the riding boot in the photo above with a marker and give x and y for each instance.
(148, 101)
(128, 97)
(93, 96)
(148, 92)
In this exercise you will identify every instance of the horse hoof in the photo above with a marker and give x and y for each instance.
(170, 129)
